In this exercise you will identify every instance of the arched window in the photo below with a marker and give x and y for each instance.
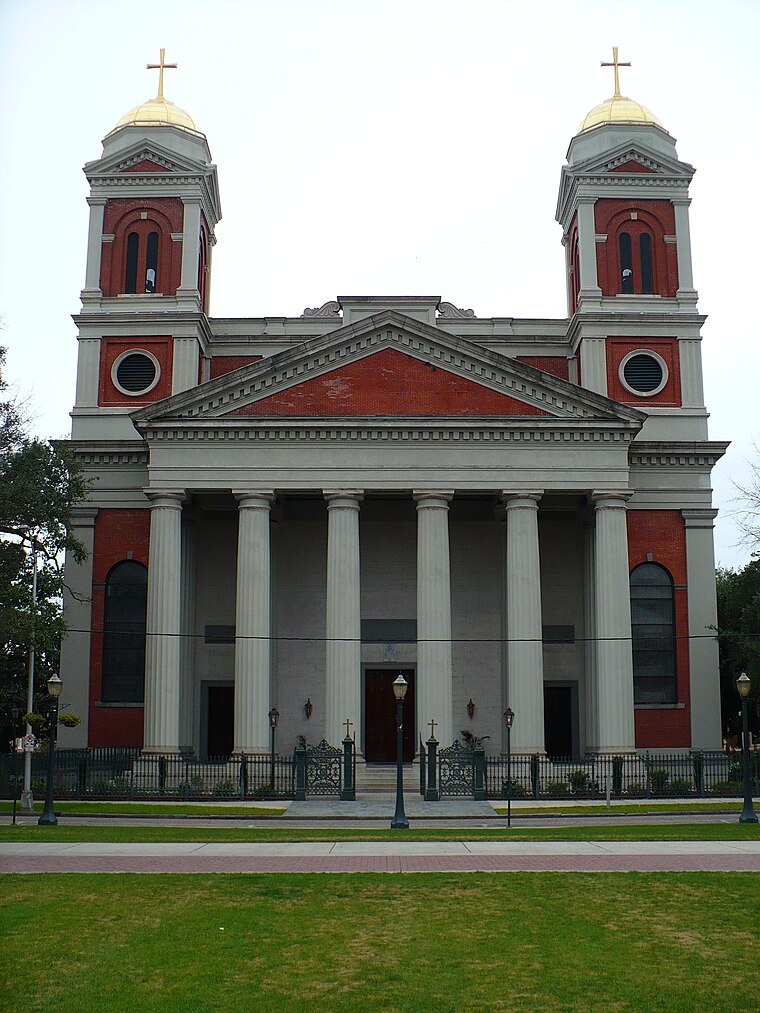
(130, 276)
(124, 634)
(626, 264)
(654, 635)
(151, 262)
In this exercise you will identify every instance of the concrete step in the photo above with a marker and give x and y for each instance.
(381, 779)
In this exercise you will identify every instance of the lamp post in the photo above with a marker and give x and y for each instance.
(399, 821)
(14, 749)
(54, 687)
(744, 685)
(509, 717)
(274, 717)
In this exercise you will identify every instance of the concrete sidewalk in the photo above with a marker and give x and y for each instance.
(386, 856)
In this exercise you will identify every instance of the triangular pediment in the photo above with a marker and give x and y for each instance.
(644, 157)
(144, 151)
(387, 366)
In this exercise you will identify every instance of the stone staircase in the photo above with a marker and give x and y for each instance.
(375, 779)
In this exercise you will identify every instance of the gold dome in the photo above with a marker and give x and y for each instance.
(618, 109)
(158, 112)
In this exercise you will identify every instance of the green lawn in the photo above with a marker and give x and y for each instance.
(152, 809)
(551, 942)
(729, 831)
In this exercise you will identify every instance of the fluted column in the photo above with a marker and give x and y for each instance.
(589, 626)
(163, 625)
(434, 681)
(612, 601)
(253, 624)
(342, 614)
(187, 719)
(525, 666)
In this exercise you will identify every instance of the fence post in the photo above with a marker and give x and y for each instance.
(699, 773)
(423, 772)
(431, 790)
(243, 776)
(161, 774)
(535, 774)
(348, 788)
(299, 755)
(479, 765)
(82, 775)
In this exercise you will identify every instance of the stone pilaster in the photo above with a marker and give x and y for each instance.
(612, 596)
(253, 624)
(191, 229)
(589, 285)
(163, 624)
(589, 647)
(525, 667)
(94, 248)
(683, 246)
(187, 710)
(704, 682)
(342, 614)
(434, 668)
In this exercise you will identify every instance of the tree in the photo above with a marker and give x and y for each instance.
(40, 482)
(739, 641)
(748, 512)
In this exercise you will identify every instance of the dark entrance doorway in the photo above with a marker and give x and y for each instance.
(558, 721)
(220, 708)
(380, 715)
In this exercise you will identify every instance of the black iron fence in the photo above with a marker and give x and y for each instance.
(632, 776)
(114, 773)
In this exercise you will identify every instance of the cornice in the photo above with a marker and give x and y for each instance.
(124, 184)
(371, 430)
(677, 454)
(110, 452)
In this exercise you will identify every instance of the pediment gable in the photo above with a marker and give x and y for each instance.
(643, 157)
(143, 151)
(387, 365)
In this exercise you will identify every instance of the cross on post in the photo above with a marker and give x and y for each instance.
(161, 66)
(348, 724)
(432, 728)
(616, 64)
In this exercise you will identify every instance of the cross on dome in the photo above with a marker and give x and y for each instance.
(161, 66)
(615, 63)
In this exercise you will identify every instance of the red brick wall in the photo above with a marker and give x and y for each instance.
(557, 365)
(111, 348)
(165, 216)
(385, 383)
(221, 364)
(632, 166)
(612, 216)
(146, 165)
(661, 533)
(117, 532)
(666, 348)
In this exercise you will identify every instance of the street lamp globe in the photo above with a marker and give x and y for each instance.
(509, 717)
(274, 717)
(54, 686)
(400, 687)
(744, 685)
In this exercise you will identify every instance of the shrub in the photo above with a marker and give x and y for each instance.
(680, 786)
(557, 788)
(726, 788)
(658, 780)
(225, 789)
(579, 781)
(635, 791)
(517, 790)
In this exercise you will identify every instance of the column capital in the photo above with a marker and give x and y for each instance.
(343, 498)
(83, 516)
(432, 497)
(682, 201)
(191, 200)
(97, 201)
(166, 498)
(699, 518)
(254, 499)
(522, 497)
(610, 499)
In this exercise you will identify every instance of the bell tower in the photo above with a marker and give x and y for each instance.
(623, 207)
(154, 205)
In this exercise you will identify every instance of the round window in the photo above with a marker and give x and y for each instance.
(135, 372)
(643, 373)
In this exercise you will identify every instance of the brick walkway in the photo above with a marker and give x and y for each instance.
(461, 856)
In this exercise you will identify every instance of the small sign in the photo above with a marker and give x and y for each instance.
(28, 744)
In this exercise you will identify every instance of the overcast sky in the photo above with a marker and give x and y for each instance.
(370, 147)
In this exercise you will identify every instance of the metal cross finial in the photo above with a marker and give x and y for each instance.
(616, 64)
(348, 724)
(432, 728)
(161, 66)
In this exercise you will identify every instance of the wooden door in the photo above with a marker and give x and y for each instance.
(380, 715)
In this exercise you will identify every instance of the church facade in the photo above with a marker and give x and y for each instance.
(287, 512)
